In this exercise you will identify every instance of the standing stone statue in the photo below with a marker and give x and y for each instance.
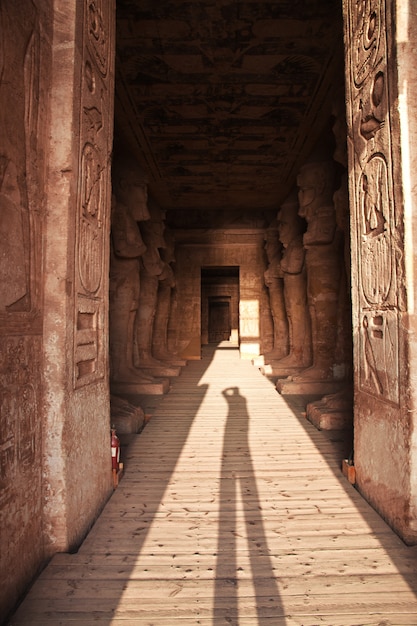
(274, 283)
(153, 270)
(160, 328)
(293, 268)
(322, 242)
(129, 206)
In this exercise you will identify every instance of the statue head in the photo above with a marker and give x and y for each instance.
(272, 243)
(315, 183)
(290, 224)
(153, 230)
(130, 186)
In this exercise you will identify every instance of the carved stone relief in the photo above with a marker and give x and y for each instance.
(93, 198)
(19, 157)
(376, 228)
(24, 88)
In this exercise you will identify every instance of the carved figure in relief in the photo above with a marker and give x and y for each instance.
(19, 96)
(371, 368)
(129, 206)
(153, 270)
(13, 280)
(274, 281)
(322, 243)
(376, 250)
(291, 228)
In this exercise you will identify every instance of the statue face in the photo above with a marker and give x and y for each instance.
(306, 193)
(137, 200)
(288, 227)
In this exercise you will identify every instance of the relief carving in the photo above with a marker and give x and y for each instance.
(90, 248)
(13, 275)
(98, 33)
(93, 197)
(367, 38)
(377, 254)
(376, 234)
(19, 426)
(19, 158)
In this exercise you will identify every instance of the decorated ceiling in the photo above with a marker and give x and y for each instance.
(222, 100)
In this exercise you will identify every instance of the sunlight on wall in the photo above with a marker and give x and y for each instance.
(249, 316)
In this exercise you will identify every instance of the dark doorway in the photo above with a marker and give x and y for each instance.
(219, 304)
(219, 323)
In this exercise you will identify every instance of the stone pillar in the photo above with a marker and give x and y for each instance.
(381, 76)
(25, 86)
(76, 448)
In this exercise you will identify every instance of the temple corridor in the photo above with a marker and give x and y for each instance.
(233, 510)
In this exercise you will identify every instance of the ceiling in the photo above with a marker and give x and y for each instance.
(222, 100)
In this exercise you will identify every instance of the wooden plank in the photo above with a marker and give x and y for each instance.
(230, 517)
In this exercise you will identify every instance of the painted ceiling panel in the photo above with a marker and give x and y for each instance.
(223, 100)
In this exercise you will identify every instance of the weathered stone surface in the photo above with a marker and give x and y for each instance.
(126, 418)
(55, 138)
(382, 132)
(332, 412)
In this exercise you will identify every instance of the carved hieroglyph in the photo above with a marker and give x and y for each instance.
(93, 198)
(375, 227)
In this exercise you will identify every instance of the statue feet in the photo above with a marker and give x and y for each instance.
(314, 372)
(132, 375)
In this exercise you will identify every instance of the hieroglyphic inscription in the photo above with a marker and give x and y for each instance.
(93, 193)
(19, 426)
(375, 220)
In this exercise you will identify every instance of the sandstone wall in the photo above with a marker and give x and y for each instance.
(381, 96)
(56, 115)
(25, 69)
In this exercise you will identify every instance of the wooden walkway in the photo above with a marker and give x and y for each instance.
(233, 510)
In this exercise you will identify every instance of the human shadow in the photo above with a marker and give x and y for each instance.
(238, 475)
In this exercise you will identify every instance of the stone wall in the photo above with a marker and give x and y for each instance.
(25, 69)
(55, 135)
(381, 96)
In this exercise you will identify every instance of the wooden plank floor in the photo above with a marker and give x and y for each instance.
(233, 510)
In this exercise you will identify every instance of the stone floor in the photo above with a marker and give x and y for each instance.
(233, 510)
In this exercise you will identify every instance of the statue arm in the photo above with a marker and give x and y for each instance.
(152, 262)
